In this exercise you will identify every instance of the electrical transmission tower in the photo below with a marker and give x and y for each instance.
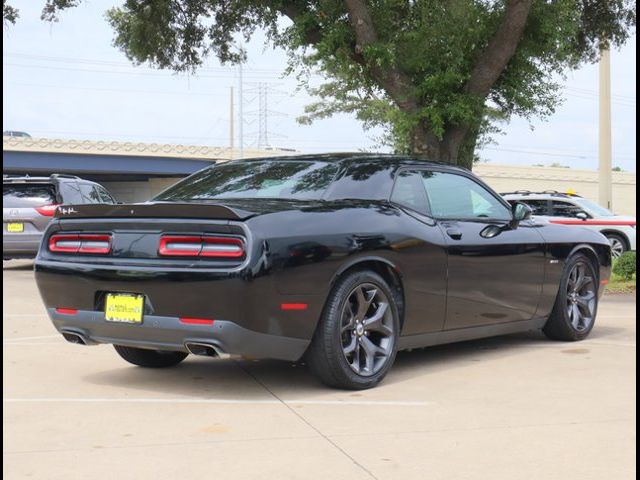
(264, 91)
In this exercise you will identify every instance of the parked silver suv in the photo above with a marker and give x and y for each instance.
(572, 209)
(28, 204)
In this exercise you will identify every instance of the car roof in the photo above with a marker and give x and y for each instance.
(354, 157)
(54, 178)
(540, 195)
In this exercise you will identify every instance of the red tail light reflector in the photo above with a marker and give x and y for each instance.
(67, 311)
(293, 306)
(201, 246)
(196, 321)
(80, 243)
(47, 210)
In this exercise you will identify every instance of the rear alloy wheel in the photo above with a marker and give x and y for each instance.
(356, 340)
(618, 245)
(575, 310)
(150, 358)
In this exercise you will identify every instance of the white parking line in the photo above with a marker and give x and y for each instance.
(219, 401)
(20, 339)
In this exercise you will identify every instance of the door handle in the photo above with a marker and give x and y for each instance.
(454, 233)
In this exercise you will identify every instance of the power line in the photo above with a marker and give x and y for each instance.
(150, 73)
(547, 149)
(115, 90)
(550, 154)
(595, 99)
(106, 135)
(84, 61)
(595, 93)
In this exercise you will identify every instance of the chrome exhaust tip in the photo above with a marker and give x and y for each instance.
(203, 349)
(76, 338)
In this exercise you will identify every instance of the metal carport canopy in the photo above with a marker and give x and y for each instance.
(79, 164)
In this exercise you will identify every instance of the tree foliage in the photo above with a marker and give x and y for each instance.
(9, 13)
(438, 75)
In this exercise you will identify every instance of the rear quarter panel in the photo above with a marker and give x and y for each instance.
(307, 250)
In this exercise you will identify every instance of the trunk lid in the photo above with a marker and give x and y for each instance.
(154, 210)
(224, 209)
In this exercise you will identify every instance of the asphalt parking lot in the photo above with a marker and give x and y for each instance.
(517, 407)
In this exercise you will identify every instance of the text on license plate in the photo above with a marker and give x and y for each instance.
(124, 307)
(15, 227)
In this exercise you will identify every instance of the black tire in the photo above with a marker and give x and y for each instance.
(619, 244)
(375, 333)
(150, 358)
(563, 323)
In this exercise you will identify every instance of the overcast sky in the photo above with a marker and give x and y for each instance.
(66, 80)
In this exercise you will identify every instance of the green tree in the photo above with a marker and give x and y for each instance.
(439, 75)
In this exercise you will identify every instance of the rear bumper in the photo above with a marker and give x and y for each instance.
(168, 333)
(18, 245)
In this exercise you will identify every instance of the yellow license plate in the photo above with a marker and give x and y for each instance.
(123, 307)
(15, 227)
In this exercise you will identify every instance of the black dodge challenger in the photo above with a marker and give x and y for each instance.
(343, 259)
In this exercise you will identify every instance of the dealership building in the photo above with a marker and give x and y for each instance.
(135, 172)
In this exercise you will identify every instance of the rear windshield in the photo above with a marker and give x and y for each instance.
(300, 180)
(27, 195)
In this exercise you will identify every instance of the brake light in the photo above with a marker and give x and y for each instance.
(85, 243)
(47, 210)
(201, 246)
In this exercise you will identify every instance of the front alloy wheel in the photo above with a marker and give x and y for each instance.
(574, 312)
(581, 297)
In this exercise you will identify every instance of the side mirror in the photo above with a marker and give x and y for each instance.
(582, 216)
(521, 211)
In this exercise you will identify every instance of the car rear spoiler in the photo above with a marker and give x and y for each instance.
(154, 210)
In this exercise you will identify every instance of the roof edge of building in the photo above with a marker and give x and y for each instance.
(112, 147)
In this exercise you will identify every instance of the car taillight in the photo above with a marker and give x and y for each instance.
(80, 243)
(201, 246)
(47, 210)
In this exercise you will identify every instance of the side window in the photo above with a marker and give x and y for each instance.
(71, 193)
(565, 209)
(89, 193)
(363, 180)
(408, 191)
(539, 207)
(105, 197)
(459, 197)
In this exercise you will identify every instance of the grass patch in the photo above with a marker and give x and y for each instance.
(618, 284)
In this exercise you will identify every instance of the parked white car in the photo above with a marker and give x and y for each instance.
(572, 209)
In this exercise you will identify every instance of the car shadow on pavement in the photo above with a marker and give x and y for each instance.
(211, 378)
(256, 379)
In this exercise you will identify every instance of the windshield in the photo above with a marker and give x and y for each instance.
(593, 207)
(302, 180)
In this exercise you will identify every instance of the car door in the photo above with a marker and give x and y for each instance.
(561, 209)
(423, 262)
(495, 267)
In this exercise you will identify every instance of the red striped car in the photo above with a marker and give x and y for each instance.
(572, 209)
